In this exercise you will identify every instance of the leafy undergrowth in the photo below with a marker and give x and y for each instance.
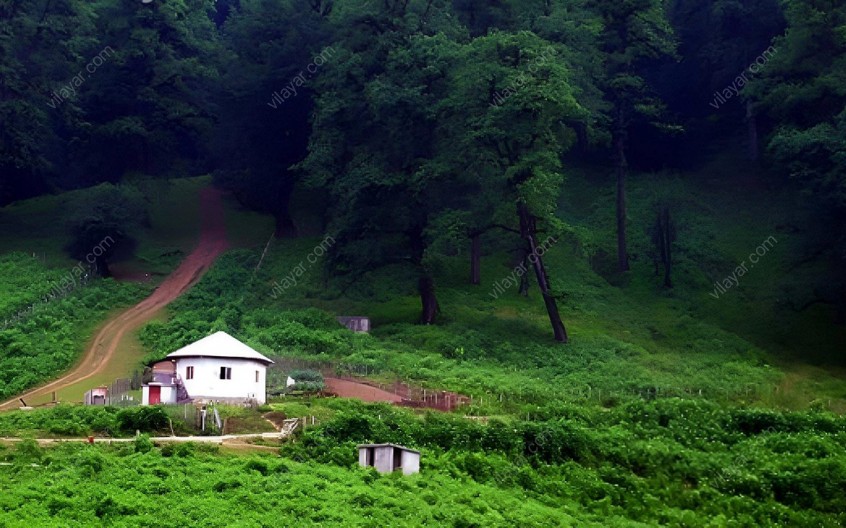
(66, 420)
(50, 314)
(136, 485)
(666, 462)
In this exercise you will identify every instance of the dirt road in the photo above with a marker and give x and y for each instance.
(104, 348)
(352, 389)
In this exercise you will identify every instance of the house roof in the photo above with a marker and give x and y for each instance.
(389, 445)
(220, 345)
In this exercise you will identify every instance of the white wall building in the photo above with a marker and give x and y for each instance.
(215, 368)
(387, 458)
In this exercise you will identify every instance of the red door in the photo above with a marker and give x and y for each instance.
(155, 394)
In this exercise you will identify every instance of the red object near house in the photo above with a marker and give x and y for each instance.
(155, 394)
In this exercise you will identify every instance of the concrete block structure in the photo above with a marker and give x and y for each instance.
(387, 458)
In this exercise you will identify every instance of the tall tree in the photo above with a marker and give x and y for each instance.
(503, 123)
(803, 93)
(636, 33)
(372, 136)
(277, 49)
(147, 95)
(719, 43)
(42, 47)
(103, 222)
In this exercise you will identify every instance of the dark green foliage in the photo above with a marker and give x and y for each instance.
(28, 450)
(655, 414)
(145, 418)
(143, 444)
(180, 449)
(307, 381)
(105, 222)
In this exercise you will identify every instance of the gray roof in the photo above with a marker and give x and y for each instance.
(389, 445)
(219, 345)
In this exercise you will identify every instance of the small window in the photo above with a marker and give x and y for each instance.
(257, 376)
(189, 372)
(225, 373)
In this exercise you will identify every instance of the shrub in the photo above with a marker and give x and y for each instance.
(181, 449)
(256, 464)
(145, 419)
(307, 381)
(143, 444)
(28, 450)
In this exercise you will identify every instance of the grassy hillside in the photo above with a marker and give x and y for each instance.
(669, 407)
(51, 304)
(668, 462)
(48, 316)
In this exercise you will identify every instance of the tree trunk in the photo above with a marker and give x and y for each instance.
(426, 286)
(667, 246)
(524, 278)
(476, 259)
(752, 128)
(285, 227)
(102, 267)
(663, 235)
(527, 231)
(622, 169)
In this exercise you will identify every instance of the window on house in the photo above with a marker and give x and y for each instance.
(257, 376)
(189, 372)
(225, 373)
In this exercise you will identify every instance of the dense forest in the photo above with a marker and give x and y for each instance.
(431, 127)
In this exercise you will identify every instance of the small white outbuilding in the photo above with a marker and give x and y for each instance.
(216, 368)
(387, 458)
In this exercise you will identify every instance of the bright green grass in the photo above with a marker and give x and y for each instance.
(122, 488)
(667, 462)
(45, 335)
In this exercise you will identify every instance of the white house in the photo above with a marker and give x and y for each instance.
(216, 368)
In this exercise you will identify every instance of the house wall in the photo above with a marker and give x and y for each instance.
(410, 463)
(208, 385)
(168, 394)
(384, 459)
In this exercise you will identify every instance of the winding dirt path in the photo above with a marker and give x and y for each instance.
(104, 347)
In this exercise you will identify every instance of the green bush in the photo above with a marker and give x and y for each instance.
(28, 450)
(144, 418)
(306, 381)
(143, 444)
